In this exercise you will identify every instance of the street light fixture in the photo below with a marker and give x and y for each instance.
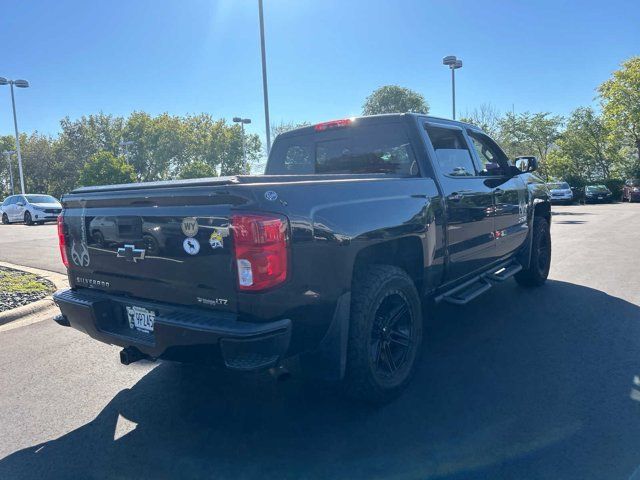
(8, 154)
(19, 84)
(242, 122)
(453, 63)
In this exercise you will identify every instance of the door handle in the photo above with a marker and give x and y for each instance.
(498, 192)
(456, 196)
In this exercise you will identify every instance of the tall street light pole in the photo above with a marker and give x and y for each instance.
(8, 154)
(453, 63)
(123, 146)
(264, 78)
(19, 84)
(243, 122)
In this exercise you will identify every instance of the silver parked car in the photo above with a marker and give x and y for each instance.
(30, 209)
(560, 192)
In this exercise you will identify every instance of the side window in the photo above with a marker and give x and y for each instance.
(452, 152)
(384, 149)
(492, 160)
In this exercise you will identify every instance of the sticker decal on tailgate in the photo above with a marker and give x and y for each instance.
(80, 256)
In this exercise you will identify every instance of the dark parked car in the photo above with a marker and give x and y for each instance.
(597, 194)
(631, 190)
(327, 258)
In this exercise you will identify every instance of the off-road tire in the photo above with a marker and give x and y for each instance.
(540, 261)
(373, 288)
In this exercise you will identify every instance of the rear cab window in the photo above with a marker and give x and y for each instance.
(347, 148)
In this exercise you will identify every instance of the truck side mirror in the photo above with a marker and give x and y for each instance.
(526, 164)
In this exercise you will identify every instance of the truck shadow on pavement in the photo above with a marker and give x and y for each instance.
(518, 384)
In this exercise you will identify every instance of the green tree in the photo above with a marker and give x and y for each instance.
(104, 168)
(394, 99)
(37, 162)
(530, 134)
(485, 117)
(197, 169)
(7, 143)
(159, 145)
(620, 97)
(283, 127)
(587, 148)
(77, 142)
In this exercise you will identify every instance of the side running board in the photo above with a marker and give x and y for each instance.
(504, 273)
(464, 293)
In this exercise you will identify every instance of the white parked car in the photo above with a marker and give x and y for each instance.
(30, 209)
(560, 192)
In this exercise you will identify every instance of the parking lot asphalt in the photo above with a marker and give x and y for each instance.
(34, 246)
(534, 384)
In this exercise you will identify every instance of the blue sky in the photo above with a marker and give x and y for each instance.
(324, 57)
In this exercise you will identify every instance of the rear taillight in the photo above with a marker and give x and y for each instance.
(62, 241)
(261, 250)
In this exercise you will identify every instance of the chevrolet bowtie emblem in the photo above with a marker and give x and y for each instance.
(130, 253)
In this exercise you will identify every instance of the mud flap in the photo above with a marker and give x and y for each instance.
(328, 362)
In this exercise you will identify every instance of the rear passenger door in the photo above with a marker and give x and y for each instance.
(468, 199)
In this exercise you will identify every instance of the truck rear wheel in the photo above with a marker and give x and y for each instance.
(385, 334)
(538, 271)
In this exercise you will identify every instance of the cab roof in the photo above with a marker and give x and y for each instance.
(374, 119)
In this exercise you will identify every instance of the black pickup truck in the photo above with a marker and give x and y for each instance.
(328, 258)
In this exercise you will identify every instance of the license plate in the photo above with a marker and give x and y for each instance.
(600, 198)
(141, 319)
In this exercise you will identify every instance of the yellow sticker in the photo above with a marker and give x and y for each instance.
(215, 240)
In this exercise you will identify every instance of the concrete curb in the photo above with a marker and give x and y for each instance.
(59, 281)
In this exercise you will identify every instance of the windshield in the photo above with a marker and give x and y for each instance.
(635, 182)
(597, 188)
(558, 186)
(41, 199)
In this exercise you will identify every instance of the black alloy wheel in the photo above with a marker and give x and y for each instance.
(391, 336)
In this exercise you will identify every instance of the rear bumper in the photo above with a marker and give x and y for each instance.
(608, 199)
(180, 333)
(561, 199)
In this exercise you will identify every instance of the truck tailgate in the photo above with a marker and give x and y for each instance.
(163, 246)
